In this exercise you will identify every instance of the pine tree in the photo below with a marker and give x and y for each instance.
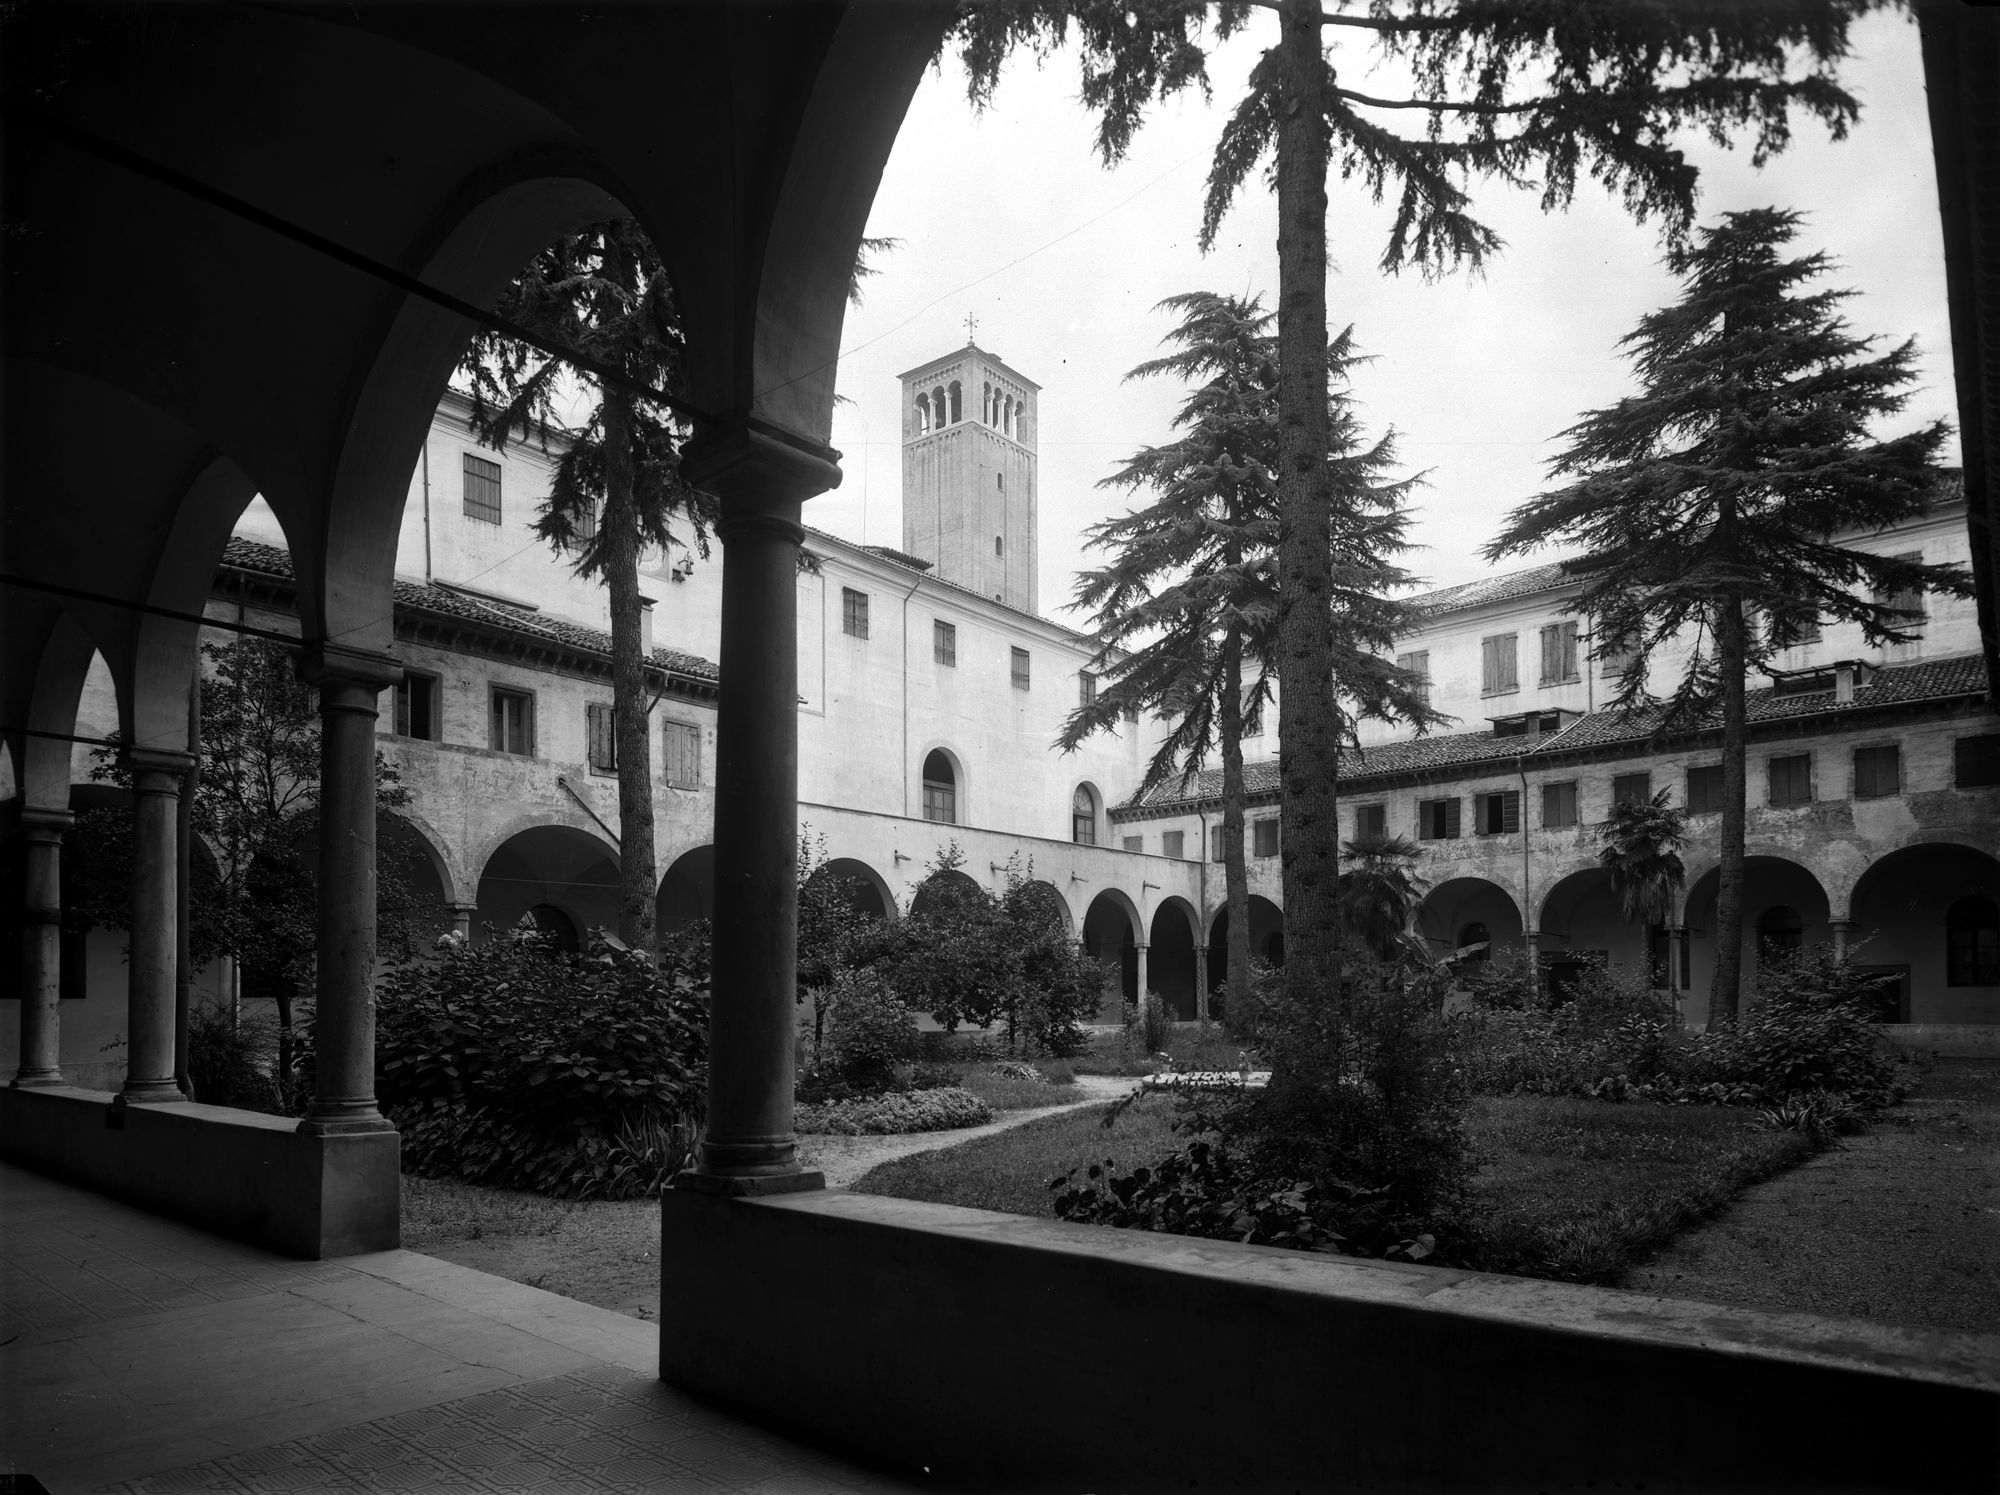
(1711, 506)
(1542, 90)
(1186, 608)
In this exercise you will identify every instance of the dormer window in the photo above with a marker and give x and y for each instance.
(1532, 723)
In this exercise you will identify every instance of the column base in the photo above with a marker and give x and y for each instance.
(804, 1181)
(344, 1126)
(29, 1077)
(149, 1093)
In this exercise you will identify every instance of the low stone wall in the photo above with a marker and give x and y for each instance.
(1030, 1354)
(238, 1173)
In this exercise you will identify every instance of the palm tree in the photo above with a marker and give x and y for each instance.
(1641, 849)
(1378, 894)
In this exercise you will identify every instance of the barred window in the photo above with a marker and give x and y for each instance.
(1020, 669)
(853, 613)
(1878, 772)
(680, 755)
(482, 489)
(1559, 805)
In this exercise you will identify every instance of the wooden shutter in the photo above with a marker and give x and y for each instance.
(1510, 810)
(1551, 653)
(603, 736)
(1498, 673)
(1451, 819)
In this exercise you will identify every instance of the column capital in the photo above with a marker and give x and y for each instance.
(1843, 926)
(322, 663)
(145, 760)
(47, 823)
(755, 467)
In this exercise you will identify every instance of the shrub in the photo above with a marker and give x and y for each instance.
(1809, 1031)
(233, 1064)
(1148, 1023)
(867, 1034)
(1202, 1190)
(943, 1109)
(577, 1075)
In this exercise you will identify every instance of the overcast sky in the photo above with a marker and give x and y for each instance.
(1008, 217)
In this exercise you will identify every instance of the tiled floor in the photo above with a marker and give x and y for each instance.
(138, 1354)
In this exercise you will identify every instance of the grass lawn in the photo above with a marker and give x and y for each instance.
(1002, 1093)
(1572, 1190)
(1190, 1046)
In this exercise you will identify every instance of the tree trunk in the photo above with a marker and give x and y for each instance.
(1308, 722)
(1235, 877)
(638, 882)
(1723, 998)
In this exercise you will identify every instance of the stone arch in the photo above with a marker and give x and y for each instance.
(43, 775)
(1898, 915)
(687, 889)
(1267, 938)
(945, 884)
(1450, 906)
(1707, 863)
(960, 787)
(436, 853)
(923, 413)
(1171, 967)
(549, 862)
(1112, 929)
(1841, 890)
(1057, 903)
(1769, 881)
(872, 896)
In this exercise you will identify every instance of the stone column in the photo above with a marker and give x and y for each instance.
(350, 682)
(461, 919)
(762, 480)
(1843, 936)
(153, 962)
(1140, 981)
(1679, 972)
(1201, 980)
(41, 948)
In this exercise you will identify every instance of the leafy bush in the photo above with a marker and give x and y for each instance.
(1017, 1069)
(1612, 1024)
(576, 1075)
(866, 1034)
(1148, 1023)
(943, 1109)
(1810, 1031)
(234, 1064)
(1202, 1190)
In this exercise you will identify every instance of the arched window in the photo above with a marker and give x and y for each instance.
(1021, 423)
(1083, 816)
(986, 404)
(940, 789)
(1007, 417)
(923, 413)
(1476, 934)
(939, 412)
(1972, 943)
(957, 412)
(1780, 930)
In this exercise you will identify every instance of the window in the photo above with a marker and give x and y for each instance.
(1631, 789)
(1972, 943)
(513, 722)
(482, 489)
(1791, 779)
(1418, 663)
(1497, 813)
(1172, 842)
(1558, 805)
(1083, 817)
(680, 755)
(1020, 659)
(1371, 822)
(957, 403)
(601, 728)
(1086, 687)
(999, 545)
(1878, 772)
(1906, 599)
(1000, 482)
(944, 643)
(1499, 674)
(1131, 712)
(1216, 848)
(417, 706)
(1704, 792)
(1437, 820)
(1613, 663)
(1976, 761)
(586, 523)
(1559, 653)
(853, 613)
(1134, 843)
(1264, 837)
(940, 789)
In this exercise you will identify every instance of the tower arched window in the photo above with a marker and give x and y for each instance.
(1007, 417)
(940, 788)
(938, 415)
(1972, 942)
(986, 404)
(957, 412)
(1083, 816)
(1021, 422)
(1780, 930)
(923, 414)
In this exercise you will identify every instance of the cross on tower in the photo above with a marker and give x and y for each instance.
(971, 326)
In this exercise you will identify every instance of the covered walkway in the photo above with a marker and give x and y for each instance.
(139, 1354)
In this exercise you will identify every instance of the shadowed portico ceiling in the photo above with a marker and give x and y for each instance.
(444, 142)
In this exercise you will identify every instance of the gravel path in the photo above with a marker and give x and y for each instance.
(1900, 1223)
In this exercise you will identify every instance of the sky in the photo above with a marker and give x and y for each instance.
(1008, 217)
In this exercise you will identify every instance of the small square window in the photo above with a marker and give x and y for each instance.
(1371, 822)
(482, 489)
(1704, 792)
(1878, 772)
(1020, 667)
(944, 643)
(1976, 761)
(1135, 843)
(513, 722)
(680, 755)
(1498, 813)
(1437, 820)
(601, 729)
(1559, 805)
(1172, 842)
(1631, 789)
(1791, 779)
(1264, 838)
(417, 706)
(853, 613)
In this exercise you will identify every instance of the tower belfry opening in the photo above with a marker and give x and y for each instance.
(969, 480)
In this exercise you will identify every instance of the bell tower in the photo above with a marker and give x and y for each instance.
(969, 429)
